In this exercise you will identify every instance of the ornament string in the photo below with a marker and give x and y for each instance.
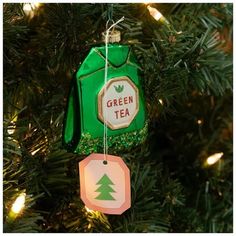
(105, 144)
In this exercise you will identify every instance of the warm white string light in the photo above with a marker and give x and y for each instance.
(156, 14)
(19, 204)
(199, 122)
(29, 8)
(211, 160)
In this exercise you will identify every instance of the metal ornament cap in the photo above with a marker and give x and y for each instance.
(113, 37)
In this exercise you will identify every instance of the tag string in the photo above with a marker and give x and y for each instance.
(105, 144)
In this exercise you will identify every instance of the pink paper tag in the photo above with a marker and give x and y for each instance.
(105, 187)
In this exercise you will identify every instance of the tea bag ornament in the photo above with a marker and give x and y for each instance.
(104, 178)
(124, 101)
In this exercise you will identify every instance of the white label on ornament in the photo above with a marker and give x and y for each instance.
(119, 103)
(105, 187)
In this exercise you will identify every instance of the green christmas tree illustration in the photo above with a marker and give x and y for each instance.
(105, 189)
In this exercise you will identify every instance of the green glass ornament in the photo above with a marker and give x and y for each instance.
(120, 100)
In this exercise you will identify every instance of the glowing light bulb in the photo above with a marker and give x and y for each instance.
(161, 101)
(157, 15)
(199, 122)
(154, 13)
(214, 158)
(19, 204)
(29, 8)
(36, 5)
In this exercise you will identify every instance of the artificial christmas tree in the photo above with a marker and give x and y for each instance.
(181, 175)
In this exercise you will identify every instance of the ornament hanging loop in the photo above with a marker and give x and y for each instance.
(109, 21)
